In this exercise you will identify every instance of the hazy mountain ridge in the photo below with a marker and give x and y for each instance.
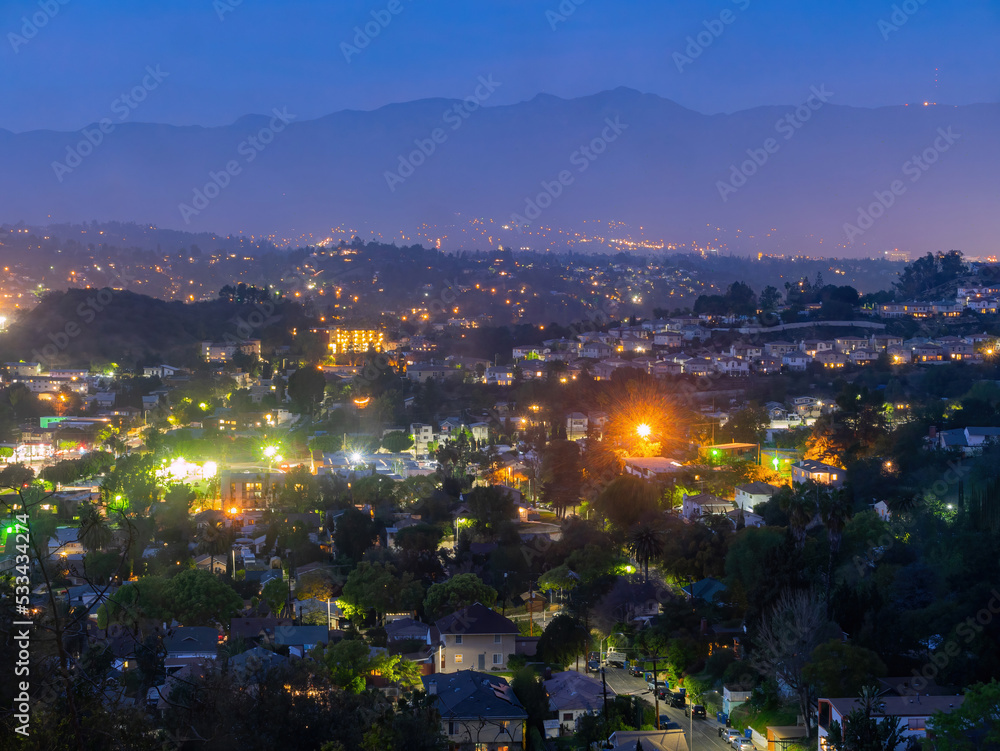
(662, 172)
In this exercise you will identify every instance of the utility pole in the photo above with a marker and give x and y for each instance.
(604, 683)
(656, 694)
(531, 610)
(691, 741)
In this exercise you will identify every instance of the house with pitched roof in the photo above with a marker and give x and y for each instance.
(750, 494)
(695, 507)
(477, 710)
(475, 637)
(189, 645)
(301, 639)
(573, 695)
(913, 711)
(825, 474)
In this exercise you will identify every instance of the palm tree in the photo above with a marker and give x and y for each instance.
(866, 728)
(213, 539)
(140, 531)
(645, 542)
(95, 534)
(800, 505)
(835, 510)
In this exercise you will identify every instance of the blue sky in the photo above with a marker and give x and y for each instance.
(263, 54)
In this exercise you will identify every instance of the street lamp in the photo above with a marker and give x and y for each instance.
(643, 430)
(604, 684)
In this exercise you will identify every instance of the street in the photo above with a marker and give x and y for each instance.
(706, 732)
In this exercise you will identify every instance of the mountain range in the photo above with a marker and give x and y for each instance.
(784, 179)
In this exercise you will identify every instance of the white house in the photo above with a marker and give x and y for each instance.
(914, 713)
(576, 425)
(796, 360)
(161, 371)
(752, 493)
(597, 350)
(825, 474)
(66, 542)
(502, 375)
(694, 507)
(423, 436)
(573, 695)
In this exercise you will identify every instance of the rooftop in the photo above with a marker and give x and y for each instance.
(476, 619)
(471, 694)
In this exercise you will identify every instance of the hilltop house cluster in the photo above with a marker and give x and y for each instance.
(975, 298)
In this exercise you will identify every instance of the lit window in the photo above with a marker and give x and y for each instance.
(458, 659)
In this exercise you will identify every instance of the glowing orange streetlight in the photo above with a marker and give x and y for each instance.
(643, 430)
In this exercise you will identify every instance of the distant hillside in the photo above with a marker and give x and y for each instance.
(79, 328)
(662, 172)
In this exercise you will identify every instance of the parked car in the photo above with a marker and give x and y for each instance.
(650, 685)
(667, 724)
(742, 744)
(677, 700)
(593, 666)
(727, 734)
(696, 709)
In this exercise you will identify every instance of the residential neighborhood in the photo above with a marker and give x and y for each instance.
(648, 533)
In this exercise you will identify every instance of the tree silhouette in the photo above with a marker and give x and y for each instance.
(214, 539)
(95, 534)
(644, 542)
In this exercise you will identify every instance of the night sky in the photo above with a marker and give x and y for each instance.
(229, 58)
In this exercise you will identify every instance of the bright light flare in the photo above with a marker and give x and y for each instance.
(643, 430)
